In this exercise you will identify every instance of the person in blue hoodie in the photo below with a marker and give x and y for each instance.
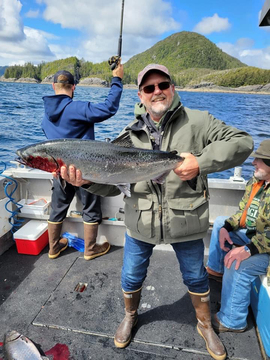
(65, 118)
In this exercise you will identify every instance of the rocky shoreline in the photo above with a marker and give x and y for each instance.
(202, 87)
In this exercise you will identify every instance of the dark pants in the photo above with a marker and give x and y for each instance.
(62, 197)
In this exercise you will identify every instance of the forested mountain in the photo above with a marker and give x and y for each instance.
(181, 51)
(190, 57)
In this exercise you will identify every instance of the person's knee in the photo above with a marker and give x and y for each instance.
(219, 221)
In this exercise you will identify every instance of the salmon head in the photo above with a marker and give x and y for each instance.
(36, 157)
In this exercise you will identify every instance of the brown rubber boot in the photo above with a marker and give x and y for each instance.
(218, 327)
(56, 244)
(214, 275)
(201, 303)
(91, 249)
(122, 336)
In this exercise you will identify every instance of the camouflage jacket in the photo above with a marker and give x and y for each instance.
(260, 242)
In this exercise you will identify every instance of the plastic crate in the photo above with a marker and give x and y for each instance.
(34, 207)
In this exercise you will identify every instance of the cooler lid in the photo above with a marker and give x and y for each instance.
(32, 230)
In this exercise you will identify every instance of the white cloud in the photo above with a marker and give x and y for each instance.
(208, 25)
(243, 51)
(32, 14)
(102, 17)
(100, 24)
(97, 23)
(11, 26)
(19, 44)
(244, 43)
(33, 48)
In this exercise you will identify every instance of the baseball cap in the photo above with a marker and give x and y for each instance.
(63, 77)
(152, 67)
(263, 152)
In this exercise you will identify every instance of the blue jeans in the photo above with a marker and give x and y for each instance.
(216, 254)
(236, 284)
(190, 255)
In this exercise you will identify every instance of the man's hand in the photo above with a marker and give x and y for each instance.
(223, 237)
(239, 254)
(119, 71)
(189, 168)
(73, 176)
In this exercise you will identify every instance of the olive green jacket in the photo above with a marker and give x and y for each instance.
(174, 212)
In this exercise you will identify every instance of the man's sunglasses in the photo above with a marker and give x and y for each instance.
(148, 89)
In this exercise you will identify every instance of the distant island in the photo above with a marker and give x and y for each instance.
(202, 87)
(195, 63)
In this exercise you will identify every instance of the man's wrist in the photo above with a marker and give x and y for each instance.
(227, 226)
(252, 248)
(247, 249)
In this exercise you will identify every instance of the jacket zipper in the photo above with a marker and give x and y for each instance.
(159, 197)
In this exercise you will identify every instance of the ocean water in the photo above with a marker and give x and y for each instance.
(21, 112)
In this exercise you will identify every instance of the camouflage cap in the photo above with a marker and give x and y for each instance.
(152, 67)
(263, 152)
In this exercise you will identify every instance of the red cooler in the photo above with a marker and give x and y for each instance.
(32, 237)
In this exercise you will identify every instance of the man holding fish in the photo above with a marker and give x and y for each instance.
(65, 118)
(173, 211)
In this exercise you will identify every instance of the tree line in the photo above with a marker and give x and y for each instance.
(81, 69)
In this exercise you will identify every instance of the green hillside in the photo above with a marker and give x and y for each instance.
(239, 77)
(190, 57)
(70, 64)
(183, 50)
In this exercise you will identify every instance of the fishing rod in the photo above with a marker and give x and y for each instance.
(114, 60)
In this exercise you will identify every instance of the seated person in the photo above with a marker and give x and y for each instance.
(249, 230)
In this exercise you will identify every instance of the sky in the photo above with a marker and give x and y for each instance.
(46, 30)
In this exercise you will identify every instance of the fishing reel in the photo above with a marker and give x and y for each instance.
(114, 61)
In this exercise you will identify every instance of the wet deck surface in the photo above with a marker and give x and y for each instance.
(41, 298)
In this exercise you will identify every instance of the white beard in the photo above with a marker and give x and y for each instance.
(159, 108)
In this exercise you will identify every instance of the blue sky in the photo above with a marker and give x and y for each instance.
(46, 30)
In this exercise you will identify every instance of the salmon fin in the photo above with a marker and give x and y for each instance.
(123, 140)
(125, 189)
(161, 178)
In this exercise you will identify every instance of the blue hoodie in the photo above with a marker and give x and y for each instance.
(65, 118)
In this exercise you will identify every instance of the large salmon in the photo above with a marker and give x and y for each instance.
(100, 162)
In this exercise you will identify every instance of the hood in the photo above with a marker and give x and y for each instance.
(140, 109)
(54, 105)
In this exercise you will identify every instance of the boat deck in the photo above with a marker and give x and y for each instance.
(70, 308)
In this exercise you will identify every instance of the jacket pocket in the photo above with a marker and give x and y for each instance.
(139, 216)
(187, 219)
